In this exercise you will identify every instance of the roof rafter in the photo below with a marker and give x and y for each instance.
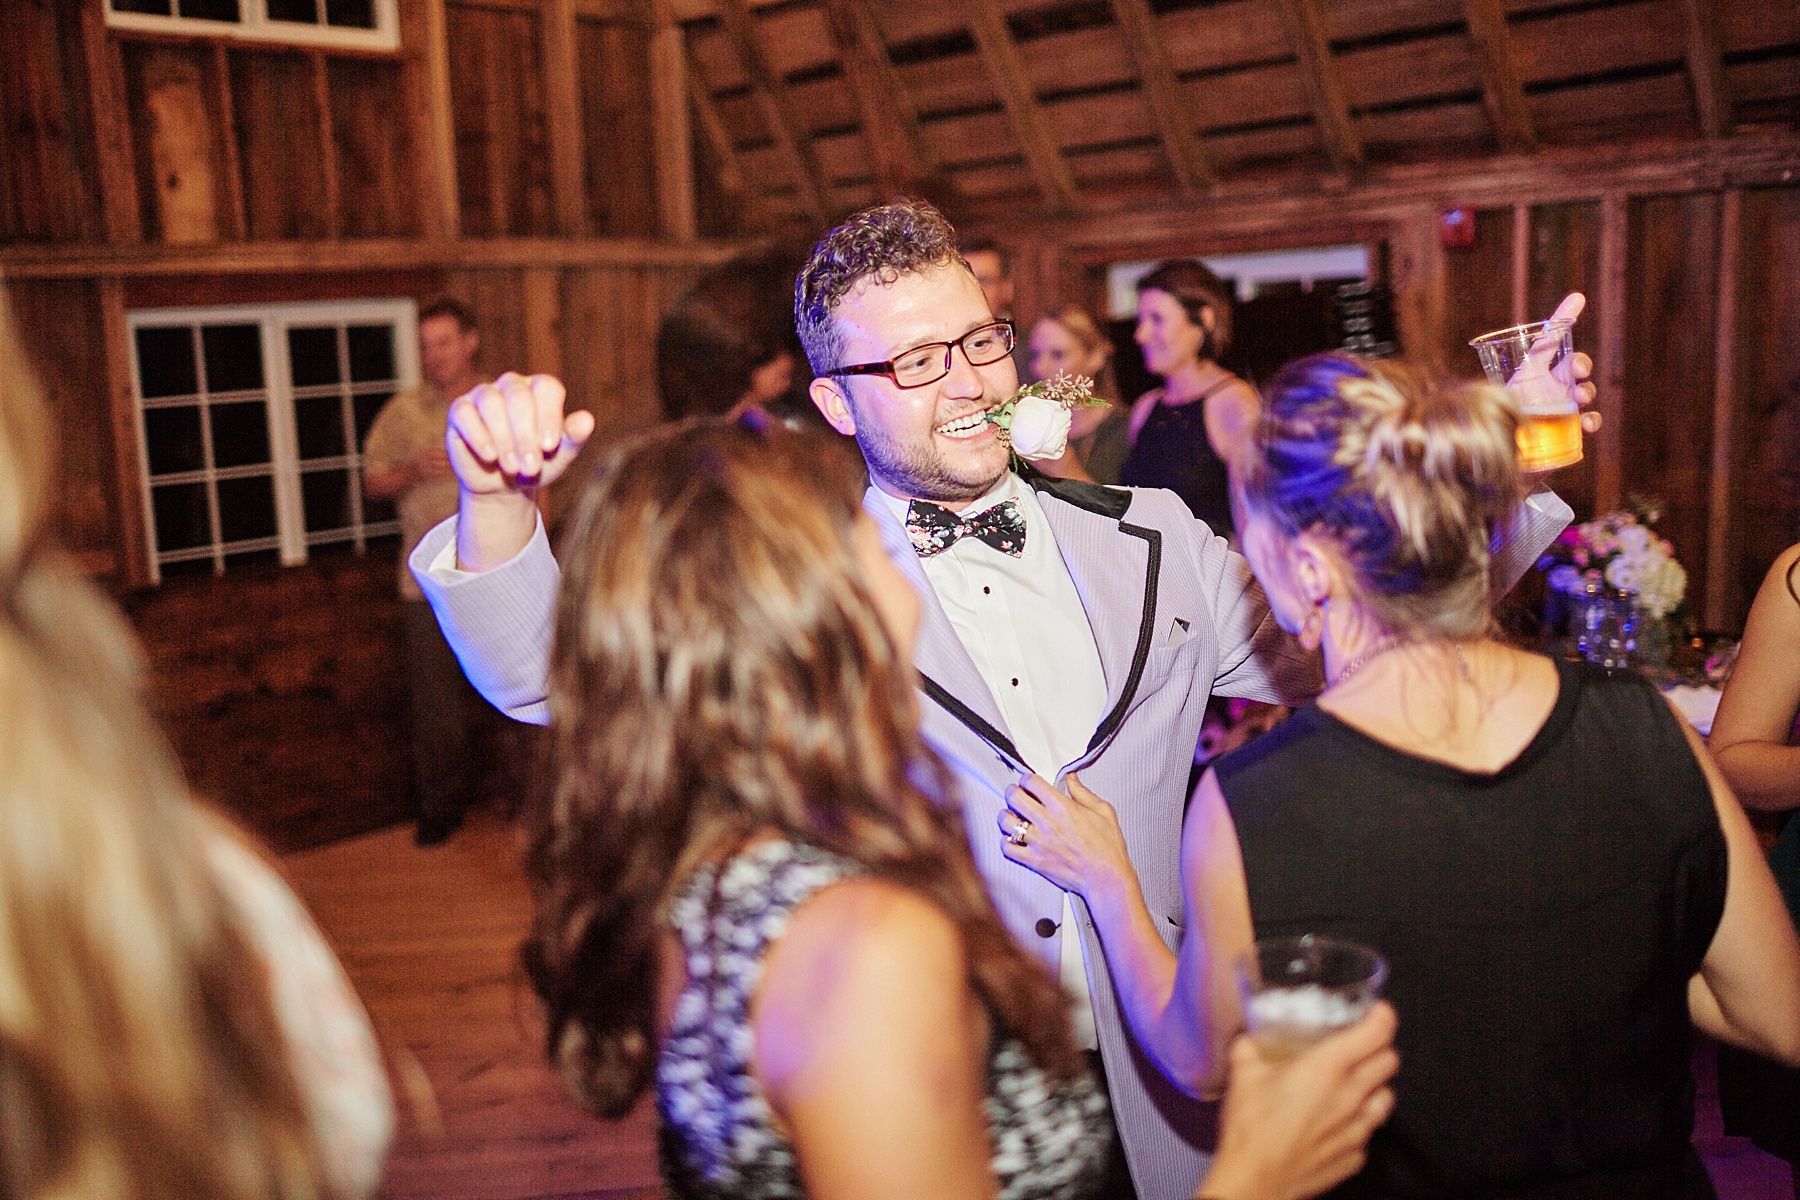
(1331, 107)
(1706, 67)
(1156, 73)
(889, 118)
(730, 176)
(1006, 67)
(1502, 92)
(777, 108)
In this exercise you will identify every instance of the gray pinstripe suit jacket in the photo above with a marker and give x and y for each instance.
(1176, 616)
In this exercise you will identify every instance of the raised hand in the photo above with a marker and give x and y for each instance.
(1580, 366)
(507, 439)
(512, 436)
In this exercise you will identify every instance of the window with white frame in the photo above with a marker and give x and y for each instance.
(252, 422)
(362, 24)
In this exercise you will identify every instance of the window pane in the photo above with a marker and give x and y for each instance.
(371, 353)
(326, 498)
(246, 508)
(313, 355)
(173, 436)
(211, 10)
(247, 558)
(240, 434)
(190, 568)
(166, 362)
(320, 423)
(160, 7)
(357, 13)
(180, 510)
(367, 409)
(233, 357)
(294, 10)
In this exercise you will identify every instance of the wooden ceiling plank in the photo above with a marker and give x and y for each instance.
(1156, 75)
(1502, 91)
(889, 118)
(1049, 169)
(1331, 105)
(777, 108)
(1706, 68)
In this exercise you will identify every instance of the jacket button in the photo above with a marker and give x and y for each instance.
(1046, 927)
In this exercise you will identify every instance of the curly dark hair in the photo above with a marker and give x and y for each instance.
(901, 237)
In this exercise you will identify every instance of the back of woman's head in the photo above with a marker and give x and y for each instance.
(1196, 288)
(139, 1055)
(721, 669)
(1408, 476)
(734, 320)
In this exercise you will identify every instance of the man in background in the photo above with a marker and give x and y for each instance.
(991, 264)
(404, 461)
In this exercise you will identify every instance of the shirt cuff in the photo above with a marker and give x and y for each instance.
(434, 558)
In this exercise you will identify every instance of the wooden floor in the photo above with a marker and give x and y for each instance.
(431, 938)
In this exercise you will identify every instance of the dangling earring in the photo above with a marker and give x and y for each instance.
(1313, 632)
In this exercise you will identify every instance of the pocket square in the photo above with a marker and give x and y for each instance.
(1178, 633)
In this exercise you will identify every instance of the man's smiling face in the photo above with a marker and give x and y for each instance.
(930, 442)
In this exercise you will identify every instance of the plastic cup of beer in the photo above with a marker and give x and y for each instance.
(1297, 990)
(1535, 363)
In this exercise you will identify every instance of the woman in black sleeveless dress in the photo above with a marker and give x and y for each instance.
(1183, 433)
(1561, 882)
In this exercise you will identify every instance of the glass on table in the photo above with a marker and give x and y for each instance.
(1535, 363)
(1297, 990)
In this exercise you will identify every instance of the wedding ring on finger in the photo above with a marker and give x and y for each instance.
(1017, 836)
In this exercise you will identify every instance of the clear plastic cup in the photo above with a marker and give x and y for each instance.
(1535, 363)
(1297, 990)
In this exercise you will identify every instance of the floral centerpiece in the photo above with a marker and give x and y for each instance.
(1614, 574)
(1619, 551)
(1034, 421)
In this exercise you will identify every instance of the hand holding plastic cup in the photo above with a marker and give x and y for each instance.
(1535, 363)
(1299, 990)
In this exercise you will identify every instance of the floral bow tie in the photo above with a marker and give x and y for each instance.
(934, 528)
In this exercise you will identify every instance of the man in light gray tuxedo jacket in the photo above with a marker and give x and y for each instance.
(1066, 626)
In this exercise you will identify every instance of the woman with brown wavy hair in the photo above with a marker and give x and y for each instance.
(747, 891)
(172, 1026)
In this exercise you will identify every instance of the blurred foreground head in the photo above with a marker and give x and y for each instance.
(139, 1053)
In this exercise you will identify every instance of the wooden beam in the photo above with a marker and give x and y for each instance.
(1006, 68)
(1264, 210)
(1609, 370)
(1521, 263)
(1721, 549)
(889, 118)
(730, 174)
(182, 144)
(113, 149)
(230, 159)
(48, 261)
(428, 103)
(778, 110)
(128, 462)
(541, 296)
(671, 133)
(562, 116)
(1156, 75)
(1502, 93)
(1706, 68)
(1419, 279)
(328, 155)
(1324, 85)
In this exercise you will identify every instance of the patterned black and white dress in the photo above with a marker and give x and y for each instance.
(719, 1135)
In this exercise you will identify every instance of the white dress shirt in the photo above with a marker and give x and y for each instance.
(1023, 624)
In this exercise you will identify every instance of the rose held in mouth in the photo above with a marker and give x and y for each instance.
(1040, 428)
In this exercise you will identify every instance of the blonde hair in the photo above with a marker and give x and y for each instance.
(139, 1052)
(1408, 476)
(1087, 333)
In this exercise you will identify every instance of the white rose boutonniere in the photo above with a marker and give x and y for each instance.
(1035, 420)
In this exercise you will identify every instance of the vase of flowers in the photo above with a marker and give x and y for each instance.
(1618, 584)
